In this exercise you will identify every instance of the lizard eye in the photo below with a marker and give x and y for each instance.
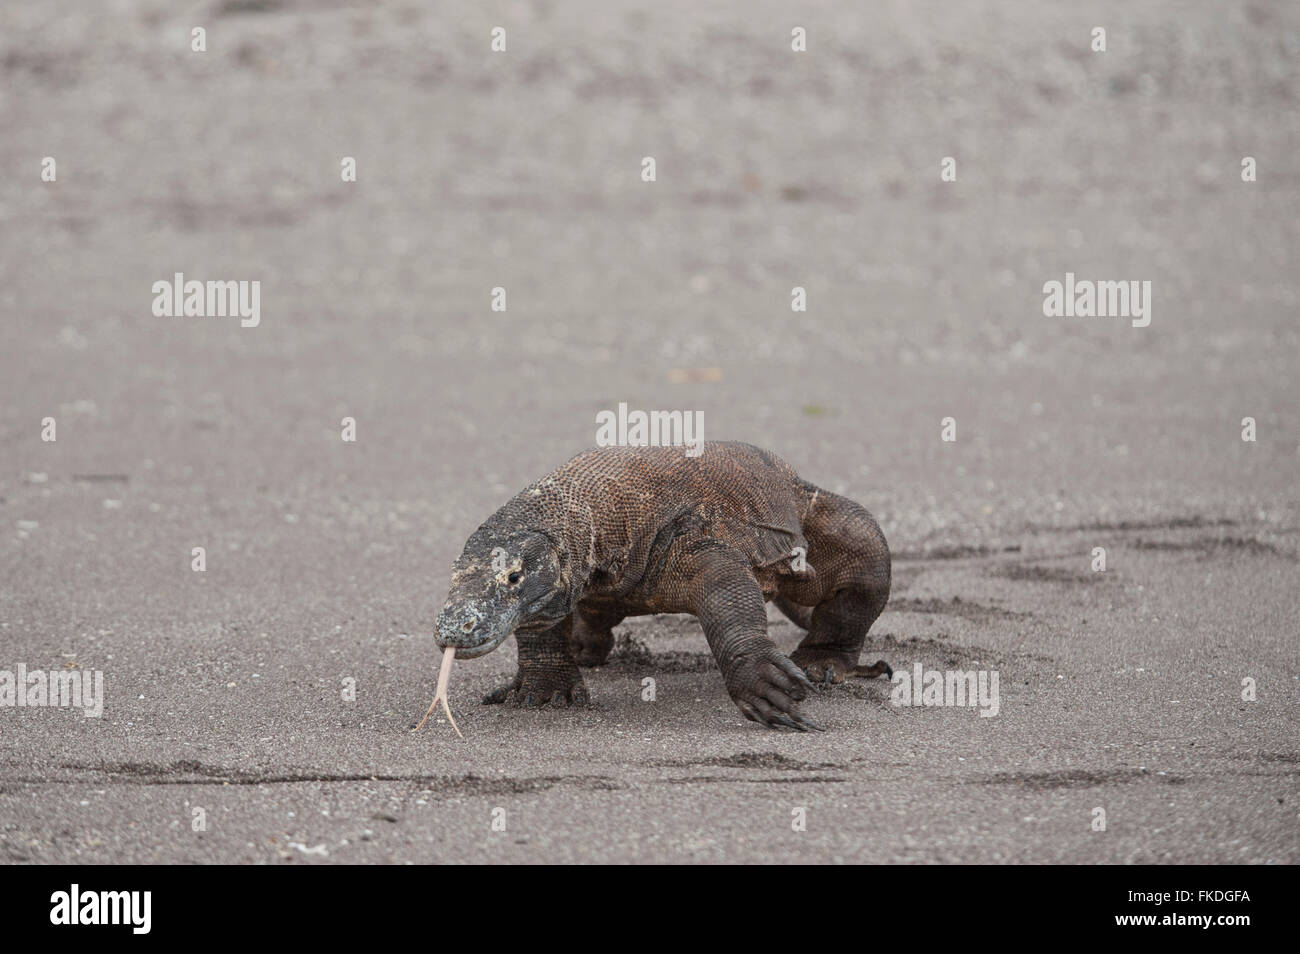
(514, 577)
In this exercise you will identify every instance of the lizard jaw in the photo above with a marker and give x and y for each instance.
(479, 649)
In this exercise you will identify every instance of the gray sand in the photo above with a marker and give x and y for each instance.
(327, 561)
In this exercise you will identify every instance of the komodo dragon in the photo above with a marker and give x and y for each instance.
(630, 531)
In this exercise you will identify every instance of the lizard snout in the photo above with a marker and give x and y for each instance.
(472, 629)
(455, 625)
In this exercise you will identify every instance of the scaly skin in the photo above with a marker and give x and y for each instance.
(622, 531)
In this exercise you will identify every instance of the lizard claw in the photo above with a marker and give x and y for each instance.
(753, 715)
(788, 722)
(807, 723)
(877, 668)
(802, 678)
(529, 692)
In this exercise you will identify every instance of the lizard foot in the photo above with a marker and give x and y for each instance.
(828, 668)
(767, 687)
(533, 690)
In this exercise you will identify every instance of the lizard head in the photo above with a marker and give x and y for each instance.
(500, 585)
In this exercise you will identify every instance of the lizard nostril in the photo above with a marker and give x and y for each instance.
(468, 625)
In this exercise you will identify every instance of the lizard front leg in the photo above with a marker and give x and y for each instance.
(547, 673)
(715, 584)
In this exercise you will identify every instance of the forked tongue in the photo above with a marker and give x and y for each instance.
(440, 694)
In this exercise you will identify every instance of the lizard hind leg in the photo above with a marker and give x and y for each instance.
(592, 637)
(828, 667)
(852, 558)
(829, 653)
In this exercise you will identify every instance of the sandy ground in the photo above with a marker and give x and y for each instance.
(327, 561)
